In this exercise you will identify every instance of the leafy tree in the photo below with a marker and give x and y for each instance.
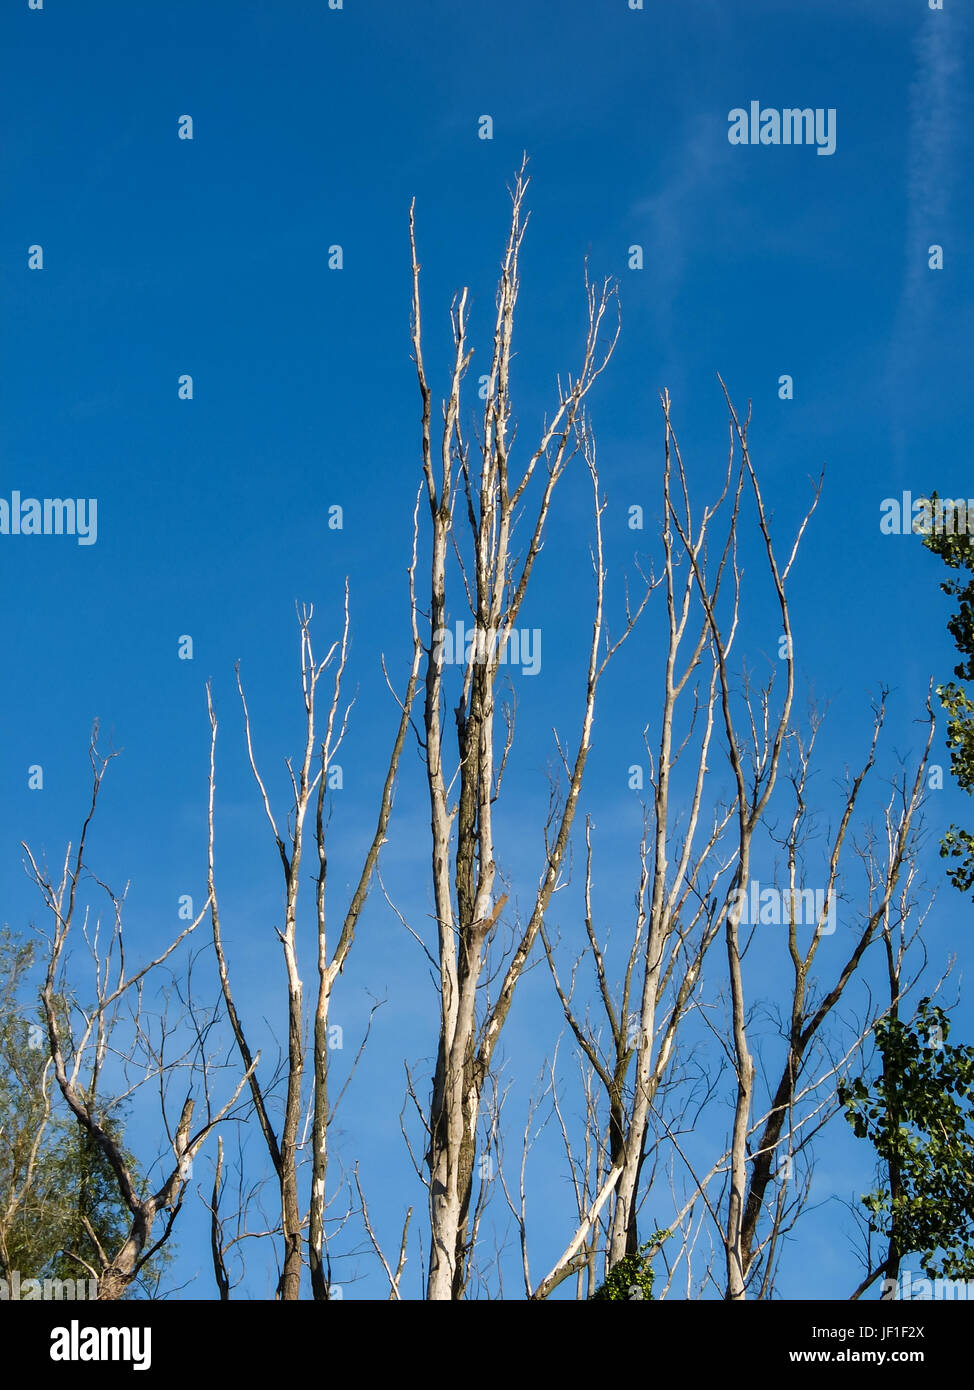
(29, 1195)
(91, 1200)
(55, 1181)
(918, 1115)
(957, 552)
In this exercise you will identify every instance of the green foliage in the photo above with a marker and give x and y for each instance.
(26, 1240)
(71, 1181)
(632, 1278)
(957, 552)
(85, 1178)
(918, 1114)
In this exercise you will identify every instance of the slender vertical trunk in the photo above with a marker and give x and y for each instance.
(744, 1065)
(289, 1287)
(319, 1160)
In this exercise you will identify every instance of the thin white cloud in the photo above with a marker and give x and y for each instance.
(935, 130)
(671, 217)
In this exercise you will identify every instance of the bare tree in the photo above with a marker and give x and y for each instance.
(661, 1021)
(495, 582)
(100, 1039)
(682, 899)
(323, 738)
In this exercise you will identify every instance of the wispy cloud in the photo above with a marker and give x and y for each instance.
(935, 128)
(673, 215)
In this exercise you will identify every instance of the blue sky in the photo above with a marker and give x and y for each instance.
(315, 127)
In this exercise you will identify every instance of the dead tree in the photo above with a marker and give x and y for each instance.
(495, 580)
(100, 1039)
(757, 737)
(692, 868)
(323, 738)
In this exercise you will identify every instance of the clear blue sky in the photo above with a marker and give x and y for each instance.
(315, 127)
